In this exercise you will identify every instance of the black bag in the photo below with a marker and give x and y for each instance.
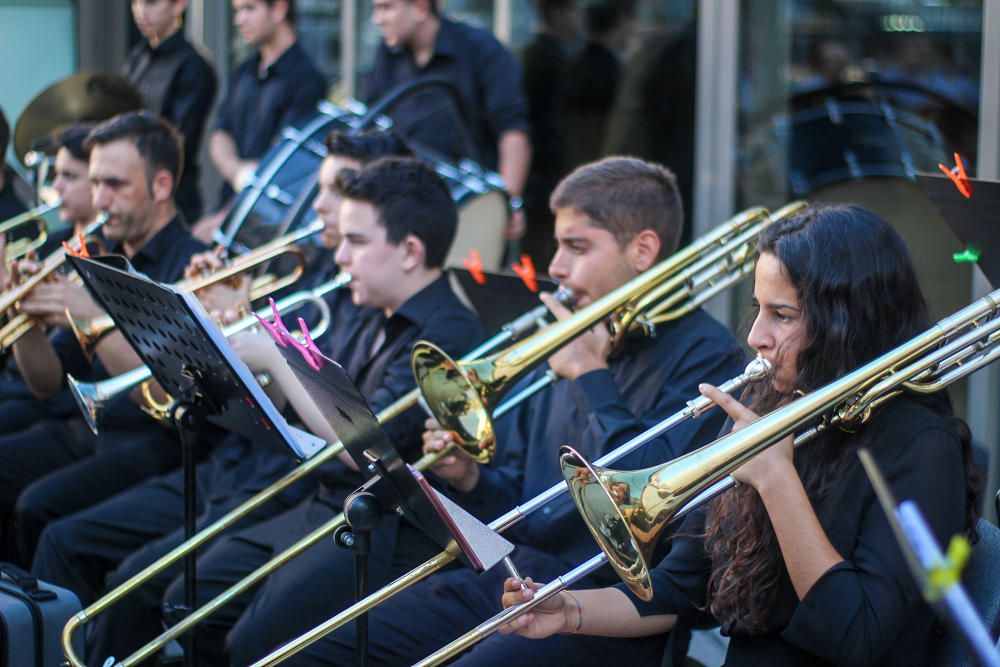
(32, 616)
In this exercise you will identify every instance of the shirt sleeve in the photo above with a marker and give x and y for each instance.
(499, 80)
(854, 612)
(223, 114)
(192, 100)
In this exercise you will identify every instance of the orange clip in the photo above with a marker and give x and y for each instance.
(474, 264)
(82, 252)
(958, 176)
(525, 270)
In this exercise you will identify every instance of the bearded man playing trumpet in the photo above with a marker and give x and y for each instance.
(614, 220)
(134, 165)
(798, 563)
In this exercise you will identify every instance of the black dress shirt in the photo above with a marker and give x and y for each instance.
(867, 609)
(487, 78)
(10, 205)
(258, 106)
(649, 380)
(163, 258)
(434, 314)
(177, 83)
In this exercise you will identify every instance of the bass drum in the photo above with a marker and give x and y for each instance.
(482, 212)
(278, 196)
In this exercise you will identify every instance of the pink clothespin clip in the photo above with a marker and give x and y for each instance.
(277, 328)
(308, 349)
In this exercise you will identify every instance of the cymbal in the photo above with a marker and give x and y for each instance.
(82, 97)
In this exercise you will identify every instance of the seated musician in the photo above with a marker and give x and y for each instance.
(798, 563)
(19, 408)
(134, 163)
(614, 220)
(372, 343)
(10, 204)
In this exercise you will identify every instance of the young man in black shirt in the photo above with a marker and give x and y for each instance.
(176, 82)
(276, 87)
(420, 43)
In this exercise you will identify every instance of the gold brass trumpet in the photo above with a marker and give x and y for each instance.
(21, 323)
(89, 333)
(628, 511)
(36, 216)
(93, 397)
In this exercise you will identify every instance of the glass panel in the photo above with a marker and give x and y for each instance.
(847, 100)
(604, 77)
(318, 25)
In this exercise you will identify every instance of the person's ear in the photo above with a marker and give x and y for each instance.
(414, 252)
(163, 186)
(643, 250)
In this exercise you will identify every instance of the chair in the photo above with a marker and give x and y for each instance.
(982, 581)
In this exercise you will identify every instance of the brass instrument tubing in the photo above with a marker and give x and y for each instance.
(401, 404)
(755, 371)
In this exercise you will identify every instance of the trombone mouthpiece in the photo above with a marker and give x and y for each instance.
(758, 369)
(565, 296)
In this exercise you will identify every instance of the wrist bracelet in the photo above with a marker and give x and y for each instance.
(579, 615)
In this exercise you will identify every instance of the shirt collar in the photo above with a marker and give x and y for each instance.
(423, 305)
(156, 248)
(285, 62)
(167, 46)
(447, 43)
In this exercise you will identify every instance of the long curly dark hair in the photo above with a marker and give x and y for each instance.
(860, 298)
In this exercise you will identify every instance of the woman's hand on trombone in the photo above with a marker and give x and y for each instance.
(771, 466)
(546, 619)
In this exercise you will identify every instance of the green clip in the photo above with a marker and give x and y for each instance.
(969, 255)
(948, 572)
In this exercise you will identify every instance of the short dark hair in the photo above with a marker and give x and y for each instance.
(4, 135)
(625, 195)
(546, 7)
(74, 139)
(409, 198)
(290, 16)
(158, 142)
(366, 147)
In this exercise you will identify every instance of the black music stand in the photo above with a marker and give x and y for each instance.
(392, 484)
(189, 357)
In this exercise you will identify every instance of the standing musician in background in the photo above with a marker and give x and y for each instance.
(176, 83)
(276, 87)
(419, 43)
(116, 539)
(614, 220)
(19, 408)
(134, 162)
(798, 563)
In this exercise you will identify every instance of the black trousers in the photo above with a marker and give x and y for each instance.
(57, 467)
(306, 591)
(19, 409)
(105, 545)
(428, 615)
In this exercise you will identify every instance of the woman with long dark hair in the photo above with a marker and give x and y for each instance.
(797, 563)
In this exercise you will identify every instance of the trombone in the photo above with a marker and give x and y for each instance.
(628, 523)
(510, 331)
(88, 333)
(21, 323)
(21, 247)
(461, 393)
(756, 370)
(93, 397)
(736, 237)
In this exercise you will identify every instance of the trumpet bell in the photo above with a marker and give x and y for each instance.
(459, 405)
(87, 400)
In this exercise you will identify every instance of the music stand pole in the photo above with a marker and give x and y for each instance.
(363, 511)
(188, 414)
